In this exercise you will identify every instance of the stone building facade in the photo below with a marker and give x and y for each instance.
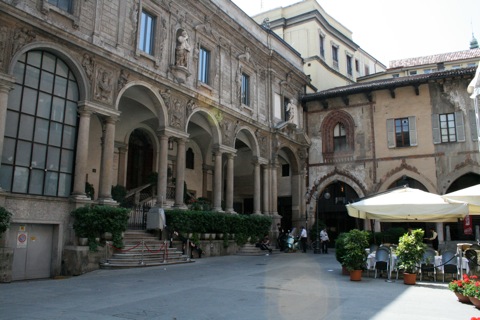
(107, 92)
(373, 136)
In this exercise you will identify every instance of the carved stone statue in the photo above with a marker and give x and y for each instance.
(182, 49)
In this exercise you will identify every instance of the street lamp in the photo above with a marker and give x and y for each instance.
(326, 195)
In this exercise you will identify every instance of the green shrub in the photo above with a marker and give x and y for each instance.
(91, 221)
(243, 226)
(355, 256)
(340, 247)
(5, 217)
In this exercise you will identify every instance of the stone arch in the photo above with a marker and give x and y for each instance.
(251, 138)
(414, 175)
(72, 62)
(149, 97)
(208, 122)
(329, 123)
(292, 158)
(456, 174)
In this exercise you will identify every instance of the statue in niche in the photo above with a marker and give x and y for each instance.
(289, 111)
(238, 81)
(182, 49)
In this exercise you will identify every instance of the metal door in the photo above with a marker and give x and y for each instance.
(32, 247)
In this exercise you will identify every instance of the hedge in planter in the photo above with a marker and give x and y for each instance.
(91, 221)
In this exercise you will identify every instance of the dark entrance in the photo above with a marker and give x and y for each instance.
(140, 159)
(285, 210)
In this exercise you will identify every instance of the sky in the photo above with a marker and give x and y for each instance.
(390, 30)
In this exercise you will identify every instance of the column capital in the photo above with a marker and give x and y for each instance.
(6, 82)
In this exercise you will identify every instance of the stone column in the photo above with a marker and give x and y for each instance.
(230, 177)
(122, 165)
(204, 181)
(180, 178)
(6, 84)
(162, 179)
(273, 192)
(256, 187)
(105, 192)
(217, 183)
(81, 158)
(266, 190)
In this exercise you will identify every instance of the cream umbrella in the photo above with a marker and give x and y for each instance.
(470, 195)
(408, 204)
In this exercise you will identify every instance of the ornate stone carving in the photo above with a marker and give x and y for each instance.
(167, 98)
(177, 114)
(21, 37)
(229, 129)
(191, 105)
(122, 79)
(163, 36)
(3, 43)
(88, 64)
(262, 143)
(245, 56)
(238, 84)
(104, 87)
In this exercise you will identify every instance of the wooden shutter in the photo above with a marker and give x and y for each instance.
(412, 124)
(436, 128)
(391, 133)
(460, 126)
(473, 124)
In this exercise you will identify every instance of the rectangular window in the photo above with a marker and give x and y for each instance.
(147, 29)
(335, 53)
(349, 65)
(65, 5)
(447, 127)
(412, 73)
(245, 89)
(357, 65)
(367, 70)
(285, 170)
(402, 132)
(396, 75)
(204, 65)
(322, 46)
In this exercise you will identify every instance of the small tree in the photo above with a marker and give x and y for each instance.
(355, 256)
(410, 250)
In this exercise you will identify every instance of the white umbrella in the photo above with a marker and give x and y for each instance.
(470, 195)
(408, 204)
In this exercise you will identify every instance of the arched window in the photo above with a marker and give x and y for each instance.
(41, 127)
(339, 138)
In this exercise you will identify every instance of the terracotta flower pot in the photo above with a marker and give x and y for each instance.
(462, 298)
(355, 275)
(475, 302)
(409, 278)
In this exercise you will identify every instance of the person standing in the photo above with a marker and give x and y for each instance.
(324, 240)
(303, 239)
(434, 239)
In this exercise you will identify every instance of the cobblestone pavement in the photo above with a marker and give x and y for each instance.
(279, 286)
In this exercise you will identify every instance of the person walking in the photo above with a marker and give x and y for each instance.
(324, 240)
(303, 239)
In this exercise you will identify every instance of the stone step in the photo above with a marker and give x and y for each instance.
(142, 249)
(249, 249)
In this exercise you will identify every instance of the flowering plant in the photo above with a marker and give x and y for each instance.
(472, 288)
(460, 286)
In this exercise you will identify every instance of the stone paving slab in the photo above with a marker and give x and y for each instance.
(281, 286)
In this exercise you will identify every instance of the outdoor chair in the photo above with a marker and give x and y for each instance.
(382, 260)
(472, 258)
(373, 248)
(427, 265)
(449, 262)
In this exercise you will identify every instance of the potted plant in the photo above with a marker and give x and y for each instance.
(340, 251)
(409, 252)
(462, 287)
(355, 256)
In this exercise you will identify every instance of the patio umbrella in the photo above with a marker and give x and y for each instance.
(470, 195)
(408, 204)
